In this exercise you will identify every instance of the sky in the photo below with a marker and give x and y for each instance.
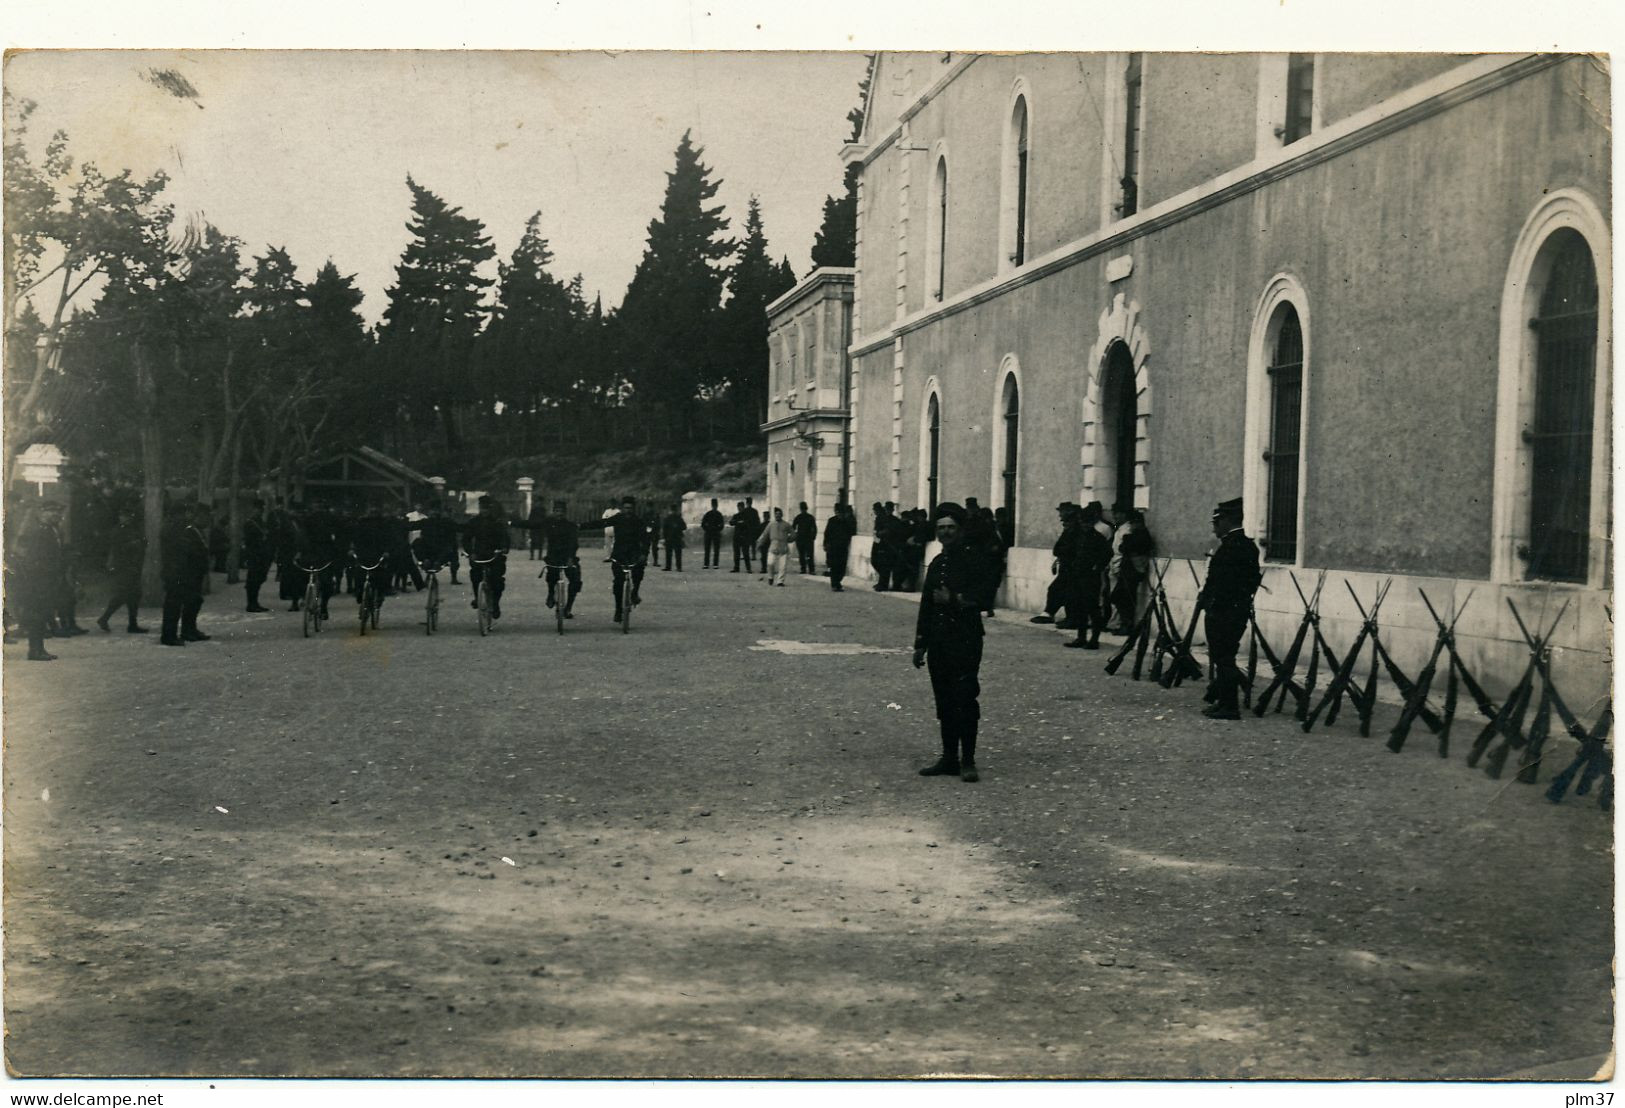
(310, 150)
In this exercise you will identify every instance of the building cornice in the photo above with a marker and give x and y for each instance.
(823, 275)
(1458, 86)
(866, 153)
(814, 413)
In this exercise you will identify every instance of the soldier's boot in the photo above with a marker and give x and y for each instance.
(948, 764)
(967, 752)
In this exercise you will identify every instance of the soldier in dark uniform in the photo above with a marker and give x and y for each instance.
(563, 541)
(1093, 552)
(744, 536)
(126, 551)
(537, 525)
(373, 541)
(882, 555)
(1233, 577)
(436, 544)
(626, 549)
(318, 545)
(183, 551)
(711, 525)
(806, 529)
(35, 560)
(671, 533)
(838, 534)
(486, 537)
(948, 639)
(257, 554)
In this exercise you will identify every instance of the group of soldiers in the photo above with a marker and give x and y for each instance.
(1101, 561)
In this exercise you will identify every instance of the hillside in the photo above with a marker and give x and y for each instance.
(662, 474)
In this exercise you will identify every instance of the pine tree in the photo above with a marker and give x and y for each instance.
(436, 309)
(753, 283)
(527, 362)
(836, 243)
(667, 322)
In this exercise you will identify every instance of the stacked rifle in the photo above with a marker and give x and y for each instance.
(1522, 723)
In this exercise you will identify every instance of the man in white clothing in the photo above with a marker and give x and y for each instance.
(775, 546)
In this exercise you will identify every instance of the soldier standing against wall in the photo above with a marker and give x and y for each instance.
(1227, 596)
(806, 528)
(838, 534)
(948, 639)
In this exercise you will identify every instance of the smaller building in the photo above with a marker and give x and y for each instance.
(364, 477)
(808, 437)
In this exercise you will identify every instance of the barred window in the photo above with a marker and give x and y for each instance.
(933, 432)
(1132, 89)
(1559, 436)
(1286, 417)
(1012, 444)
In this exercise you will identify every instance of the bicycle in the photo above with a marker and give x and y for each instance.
(623, 599)
(482, 597)
(369, 601)
(559, 590)
(313, 598)
(431, 608)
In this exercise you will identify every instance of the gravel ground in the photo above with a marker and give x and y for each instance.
(678, 852)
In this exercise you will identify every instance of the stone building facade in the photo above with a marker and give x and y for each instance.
(1369, 292)
(808, 377)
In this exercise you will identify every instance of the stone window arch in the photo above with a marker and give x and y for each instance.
(1121, 347)
(1273, 483)
(1540, 337)
(931, 423)
(1015, 194)
(1005, 489)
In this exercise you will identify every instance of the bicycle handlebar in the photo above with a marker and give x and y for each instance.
(311, 569)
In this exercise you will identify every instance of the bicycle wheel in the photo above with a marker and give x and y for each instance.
(377, 609)
(309, 618)
(365, 605)
(484, 609)
(626, 603)
(313, 609)
(432, 608)
(561, 588)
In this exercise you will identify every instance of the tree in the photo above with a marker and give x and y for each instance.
(527, 364)
(80, 221)
(667, 322)
(754, 282)
(436, 310)
(836, 243)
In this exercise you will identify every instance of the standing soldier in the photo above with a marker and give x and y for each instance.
(838, 534)
(126, 551)
(671, 531)
(183, 551)
(1227, 596)
(711, 525)
(37, 571)
(257, 554)
(806, 528)
(948, 639)
(744, 536)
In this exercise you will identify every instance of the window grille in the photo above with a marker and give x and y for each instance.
(1286, 417)
(1124, 420)
(933, 452)
(1012, 444)
(1300, 97)
(1019, 256)
(1560, 435)
(941, 276)
(1131, 137)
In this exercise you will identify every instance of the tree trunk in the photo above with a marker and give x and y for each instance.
(152, 472)
(235, 507)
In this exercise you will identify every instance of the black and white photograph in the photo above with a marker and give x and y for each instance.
(839, 560)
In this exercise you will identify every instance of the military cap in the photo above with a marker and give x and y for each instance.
(1228, 508)
(948, 509)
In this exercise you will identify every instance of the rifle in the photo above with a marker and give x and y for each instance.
(1344, 674)
(1184, 663)
(1550, 699)
(1416, 695)
(1311, 618)
(1508, 722)
(1592, 760)
(1142, 628)
(1252, 661)
(1159, 602)
(1285, 669)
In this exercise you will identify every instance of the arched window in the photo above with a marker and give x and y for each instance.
(1559, 434)
(1013, 209)
(1133, 89)
(1286, 420)
(1010, 412)
(933, 450)
(936, 254)
(1120, 404)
